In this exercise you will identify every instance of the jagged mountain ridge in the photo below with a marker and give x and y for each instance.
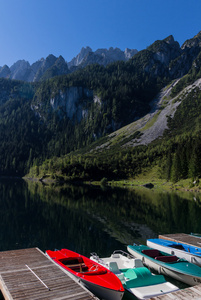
(22, 70)
(100, 56)
(69, 112)
(164, 59)
(53, 66)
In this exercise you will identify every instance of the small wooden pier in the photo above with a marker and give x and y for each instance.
(192, 293)
(182, 238)
(28, 274)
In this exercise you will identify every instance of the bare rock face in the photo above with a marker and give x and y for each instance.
(76, 61)
(47, 68)
(71, 102)
(189, 52)
(46, 64)
(5, 71)
(101, 56)
(129, 53)
(21, 70)
(192, 43)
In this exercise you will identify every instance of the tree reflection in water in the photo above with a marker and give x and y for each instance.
(89, 219)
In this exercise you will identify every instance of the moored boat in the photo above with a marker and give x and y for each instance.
(98, 279)
(198, 235)
(137, 280)
(167, 264)
(186, 251)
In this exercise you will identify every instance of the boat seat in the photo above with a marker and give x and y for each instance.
(179, 247)
(167, 258)
(79, 268)
(121, 278)
(151, 252)
(138, 263)
(71, 260)
(75, 263)
(114, 267)
(115, 255)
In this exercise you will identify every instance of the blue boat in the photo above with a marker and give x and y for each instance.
(181, 250)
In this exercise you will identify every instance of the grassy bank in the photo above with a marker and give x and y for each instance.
(149, 179)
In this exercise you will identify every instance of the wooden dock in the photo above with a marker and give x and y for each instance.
(182, 238)
(28, 274)
(192, 293)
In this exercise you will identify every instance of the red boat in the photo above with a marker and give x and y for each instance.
(99, 280)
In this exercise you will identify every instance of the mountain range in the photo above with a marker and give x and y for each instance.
(52, 66)
(108, 118)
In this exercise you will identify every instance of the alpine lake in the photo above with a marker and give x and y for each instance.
(89, 219)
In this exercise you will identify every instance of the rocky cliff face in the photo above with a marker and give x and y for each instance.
(156, 58)
(71, 103)
(189, 51)
(21, 70)
(76, 61)
(167, 58)
(49, 67)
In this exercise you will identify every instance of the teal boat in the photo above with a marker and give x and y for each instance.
(167, 264)
(137, 280)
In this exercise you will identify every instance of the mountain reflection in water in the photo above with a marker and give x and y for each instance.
(89, 219)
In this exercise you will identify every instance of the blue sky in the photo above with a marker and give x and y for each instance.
(32, 29)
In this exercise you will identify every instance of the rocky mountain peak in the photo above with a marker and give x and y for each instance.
(129, 53)
(79, 58)
(192, 43)
(53, 65)
(5, 71)
(20, 70)
(101, 56)
(169, 39)
(50, 59)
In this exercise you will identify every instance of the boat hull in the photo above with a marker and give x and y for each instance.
(127, 270)
(161, 269)
(97, 279)
(101, 292)
(194, 259)
(147, 292)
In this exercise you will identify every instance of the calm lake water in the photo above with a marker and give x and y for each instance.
(90, 219)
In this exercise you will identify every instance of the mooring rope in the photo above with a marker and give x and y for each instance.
(38, 277)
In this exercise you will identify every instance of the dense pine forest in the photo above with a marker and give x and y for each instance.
(43, 133)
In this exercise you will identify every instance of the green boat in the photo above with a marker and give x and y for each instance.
(167, 264)
(137, 280)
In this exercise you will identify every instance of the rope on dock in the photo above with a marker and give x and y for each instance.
(38, 277)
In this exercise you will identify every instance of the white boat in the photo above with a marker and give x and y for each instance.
(167, 264)
(186, 251)
(137, 280)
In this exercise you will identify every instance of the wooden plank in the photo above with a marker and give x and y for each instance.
(187, 294)
(182, 238)
(28, 274)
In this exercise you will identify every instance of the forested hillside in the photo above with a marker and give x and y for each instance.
(64, 114)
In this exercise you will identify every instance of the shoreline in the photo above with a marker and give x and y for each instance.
(154, 184)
